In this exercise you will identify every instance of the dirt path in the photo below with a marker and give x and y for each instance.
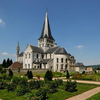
(85, 95)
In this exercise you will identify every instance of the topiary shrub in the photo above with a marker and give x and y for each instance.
(70, 86)
(48, 76)
(16, 79)
(4, 76)
(52, 87)
(59, 82)
(11, 87)
(67, 75)
(10, 73)
(29, 74)
(41, 94)
(22, 90)
(3, 84)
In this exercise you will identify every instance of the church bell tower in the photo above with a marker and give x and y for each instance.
(17, 51)
(46, 40)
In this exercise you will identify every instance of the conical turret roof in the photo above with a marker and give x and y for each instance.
(46, 32)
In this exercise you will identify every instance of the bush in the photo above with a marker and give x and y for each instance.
(57, 74)
(11, 87)
(76, 76)
(29, 74)
(83, 72)
(48, 76)
(3, 85)
(22, 90)
(10, 73)
(3, 71)
(52, 87)
(18, 70)
(16, 79)
(70, 86)
(67, 75)
(41, 94)
(4, 76)
(8, 78)
(59, 82)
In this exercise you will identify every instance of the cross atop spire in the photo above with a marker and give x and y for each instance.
(46, 32)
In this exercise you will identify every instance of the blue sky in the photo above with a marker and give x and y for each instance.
(75, 25)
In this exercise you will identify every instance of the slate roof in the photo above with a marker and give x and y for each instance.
(48, 27)
(79, 64)
(37, 49)
(21, 54)
(51, 50)
(44, 61)
(61, 51)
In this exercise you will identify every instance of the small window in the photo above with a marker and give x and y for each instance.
(42, 56)
(66, 60)
(66, 66)
(57, 66)
(62, 60)
(28, 65)
(25, 55)
(25, 65)
(57, 60)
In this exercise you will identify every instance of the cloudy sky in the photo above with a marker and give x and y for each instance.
(75, 25)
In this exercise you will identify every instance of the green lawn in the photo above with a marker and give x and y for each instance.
(10, 96)
(95, 97)
(60, 95)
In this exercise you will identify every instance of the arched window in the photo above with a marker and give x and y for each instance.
(29, 55)
(66, 66)
(57, 60)
(37, 55)
(61, 66)
(62, 60)
(29, 66)
(25, 55)
(66, 60)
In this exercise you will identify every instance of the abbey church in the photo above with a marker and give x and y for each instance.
(47, 55)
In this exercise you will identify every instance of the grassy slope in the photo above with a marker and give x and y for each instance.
(10, 96)
(95, 97)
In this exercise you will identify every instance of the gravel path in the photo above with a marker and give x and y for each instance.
(85, 95)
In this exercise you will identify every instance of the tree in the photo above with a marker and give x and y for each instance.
(18, 70)
(10, 73)
(48, 76)
(67, 75)
(29, 74)
(4, 63)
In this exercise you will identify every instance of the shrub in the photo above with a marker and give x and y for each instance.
(3, 71)
(41, 94)
(52, 87)
(30, 75)
(67, 75)
(48, 76)
(8, 78)
(76, 76)
(59, 82)
(10, 73)
(83, 72)
(16, 80)
(70, 86)
(22, 90)
(11, 87)
(4, 76)
(3, 85)
(57, 74)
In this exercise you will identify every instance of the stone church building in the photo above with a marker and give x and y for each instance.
(47, 55)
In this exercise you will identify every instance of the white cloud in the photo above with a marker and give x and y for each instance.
(5, 53)
(1, 22)
(80, 46)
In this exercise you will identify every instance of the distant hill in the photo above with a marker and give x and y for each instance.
(93, 66)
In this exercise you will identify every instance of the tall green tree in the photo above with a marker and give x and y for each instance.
(67, 75)
(4, 63)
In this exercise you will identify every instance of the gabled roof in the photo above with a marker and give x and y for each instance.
(46, 32)
(52, 49)
(21, 54)
(79, 64)
(16, 65)
(37, 49)
(61, 51)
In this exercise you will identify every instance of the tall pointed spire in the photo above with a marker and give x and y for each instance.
(46, 32)
(18, 48)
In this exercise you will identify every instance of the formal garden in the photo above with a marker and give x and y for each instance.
(24, 86)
